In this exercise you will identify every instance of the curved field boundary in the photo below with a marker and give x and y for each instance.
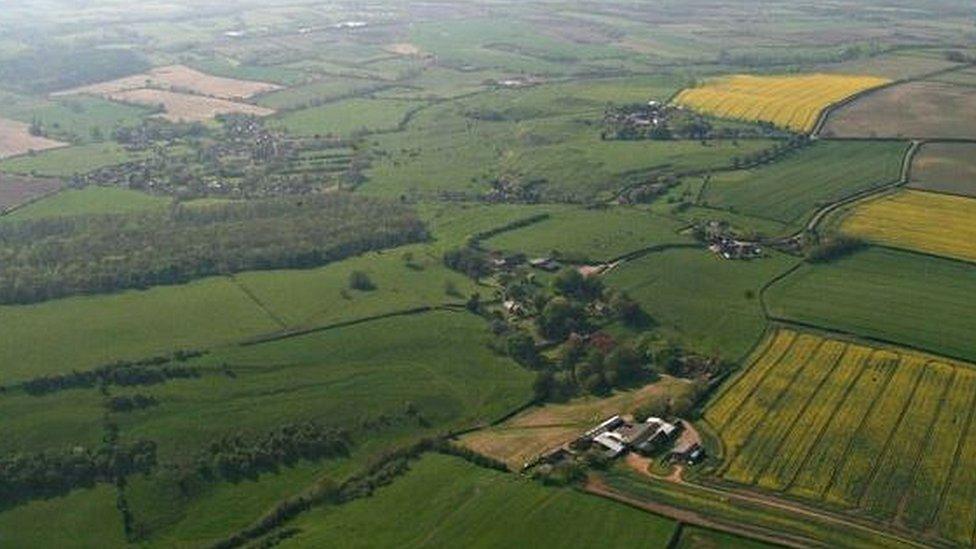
(829, 109)
(905, 177)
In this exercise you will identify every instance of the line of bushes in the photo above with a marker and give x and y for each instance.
(123, 373)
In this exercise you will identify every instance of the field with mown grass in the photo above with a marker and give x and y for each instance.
(876, 431)
(934, 223)
(906, 298)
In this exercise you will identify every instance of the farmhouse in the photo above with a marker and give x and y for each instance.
(617, 435)
(730, 248)
(545, 264)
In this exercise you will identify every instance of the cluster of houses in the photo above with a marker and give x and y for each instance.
(652, 115)
(731, 248)
(723, 243)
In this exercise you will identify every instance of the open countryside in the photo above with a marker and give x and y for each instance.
(487, 274)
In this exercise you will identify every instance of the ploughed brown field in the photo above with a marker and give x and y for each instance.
(945, 167)
(16, 190)
(916, 109)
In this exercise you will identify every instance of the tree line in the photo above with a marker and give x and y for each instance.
(58, 257)
(47, 474)
(238, 457)
(123, 373)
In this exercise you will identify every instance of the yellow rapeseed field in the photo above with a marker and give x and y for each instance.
(792, 101)
(930, 222)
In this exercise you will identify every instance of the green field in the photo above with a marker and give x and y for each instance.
(344, 118)
(81, 119)
(305, 95)
(337, 377)
(906, 298)
(852, 426)
(89, 201)
(454, 503)
(693, 537)
(592, 234)
(789, 190)
(708, 304)
(85, 518)
(89, 331)
(71, 160)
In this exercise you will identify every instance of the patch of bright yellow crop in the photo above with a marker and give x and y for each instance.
(794, 102)
(941, 224)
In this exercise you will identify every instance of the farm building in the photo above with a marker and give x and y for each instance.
(545, 264)
(618, 436)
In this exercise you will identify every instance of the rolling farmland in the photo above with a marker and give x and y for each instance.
(850, 426)
(792, 102)
(928, 222)
(788, 191)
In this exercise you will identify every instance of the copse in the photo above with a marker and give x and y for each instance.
(58, 257)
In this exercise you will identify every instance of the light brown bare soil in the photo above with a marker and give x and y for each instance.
(543, 428)
(180, 78)
(15, 139)
(181, 107)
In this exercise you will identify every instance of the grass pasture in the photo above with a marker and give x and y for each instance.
(68, 161)
(906, 298)
(90, 331)
(592, 234)
(438, 363)
(84, 518)
(708, 304)
(945, 167)
(88, 201)
(543, 139)
(933, 223)
(872, 430)
(346, 117)
(922, 109)
(793, 102)
(789, 190)
(473, 507)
